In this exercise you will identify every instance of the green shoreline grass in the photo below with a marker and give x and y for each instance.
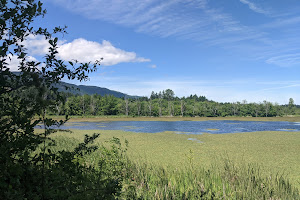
(124, 118)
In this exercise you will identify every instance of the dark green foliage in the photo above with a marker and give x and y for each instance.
(28, 167)
(66, 174)
(165, 103)
(192, 106)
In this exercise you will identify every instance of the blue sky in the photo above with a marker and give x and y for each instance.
(226, 50)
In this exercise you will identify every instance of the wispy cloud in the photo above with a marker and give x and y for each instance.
(281, 87)
(202, 21)
(192, 19)
(254, 7)
(279, 23)
(287, 60)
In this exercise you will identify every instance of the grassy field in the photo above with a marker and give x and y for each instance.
(273, 152)
(166, 165)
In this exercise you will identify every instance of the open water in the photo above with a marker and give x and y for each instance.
(186, 127)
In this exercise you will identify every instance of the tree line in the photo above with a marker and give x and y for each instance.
(165, 103)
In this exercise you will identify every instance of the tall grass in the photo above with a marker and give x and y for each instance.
(194, 182)
(139, 179)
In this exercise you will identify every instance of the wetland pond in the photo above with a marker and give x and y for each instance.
(186, 127)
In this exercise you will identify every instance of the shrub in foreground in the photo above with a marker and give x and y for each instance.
(66, 174)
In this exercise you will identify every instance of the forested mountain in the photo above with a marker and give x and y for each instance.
(90, 90)
(86, 89)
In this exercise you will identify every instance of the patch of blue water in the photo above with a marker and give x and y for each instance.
(186, 127)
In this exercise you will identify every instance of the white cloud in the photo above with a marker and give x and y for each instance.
(254, 7)
(83, 50)
(89, 51)
(14, 63)
(36, 45)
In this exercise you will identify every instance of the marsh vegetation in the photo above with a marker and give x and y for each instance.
(60, 164)
(166, 165)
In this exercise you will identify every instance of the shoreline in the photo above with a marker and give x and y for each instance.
(124, 118)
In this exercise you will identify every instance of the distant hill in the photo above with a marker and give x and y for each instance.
(85, 89)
